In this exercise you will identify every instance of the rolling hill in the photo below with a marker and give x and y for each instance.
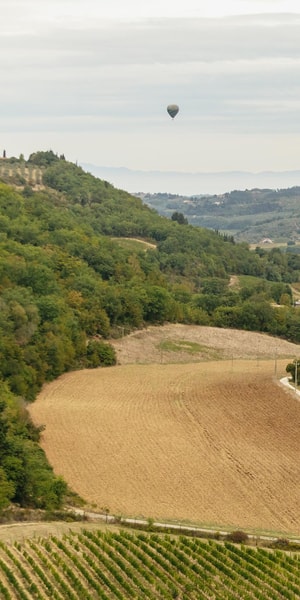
(82, 265)
(189, 421)
(251, 215)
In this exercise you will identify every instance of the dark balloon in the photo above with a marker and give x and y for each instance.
(172, 110)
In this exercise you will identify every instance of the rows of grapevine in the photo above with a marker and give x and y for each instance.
(123, 565)
(19, 173)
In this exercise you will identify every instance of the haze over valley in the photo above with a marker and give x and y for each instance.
(192, 183)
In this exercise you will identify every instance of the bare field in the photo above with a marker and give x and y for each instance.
(214, 443)
(149, 345)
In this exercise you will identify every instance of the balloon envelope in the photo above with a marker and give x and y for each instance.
(172, 110)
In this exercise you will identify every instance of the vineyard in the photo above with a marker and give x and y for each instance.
(21, 174)
(122, 565)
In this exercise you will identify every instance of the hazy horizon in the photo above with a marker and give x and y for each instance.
(191, 183)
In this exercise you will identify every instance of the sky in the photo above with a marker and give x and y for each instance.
(92, 79)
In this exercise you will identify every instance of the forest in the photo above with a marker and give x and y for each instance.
(70, 282)
(249, 215)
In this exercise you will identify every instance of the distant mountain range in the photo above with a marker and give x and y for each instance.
(192, 184)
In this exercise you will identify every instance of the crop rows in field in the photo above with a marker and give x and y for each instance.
(123, 565)
(212, 443)
(21, 174)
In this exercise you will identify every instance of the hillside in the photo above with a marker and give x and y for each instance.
(214, 443)
(178, 343)
(74, 278)
(249, 215)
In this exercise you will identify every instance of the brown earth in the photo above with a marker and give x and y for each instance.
(150, 345)
(214, 443)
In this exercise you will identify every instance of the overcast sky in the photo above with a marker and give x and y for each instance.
(92, 79)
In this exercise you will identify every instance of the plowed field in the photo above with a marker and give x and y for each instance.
(214, 442)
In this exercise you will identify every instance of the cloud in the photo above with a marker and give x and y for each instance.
(191, 58)
(237, 75)
(132, 9)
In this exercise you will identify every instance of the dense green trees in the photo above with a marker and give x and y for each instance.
(294, 370)
(249, 215)
(42, 158)
(25, 476)
(179, 217)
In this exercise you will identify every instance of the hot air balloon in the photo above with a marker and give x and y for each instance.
(172, 110)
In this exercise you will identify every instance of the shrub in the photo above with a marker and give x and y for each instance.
(281, 543)
(238, 537)
(100, 353)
